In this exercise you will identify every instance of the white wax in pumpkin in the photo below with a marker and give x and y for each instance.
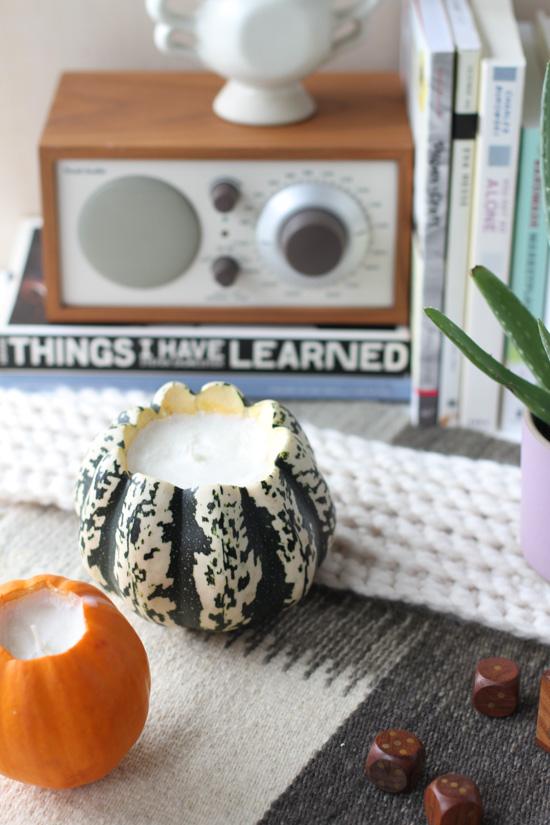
(204, 448)
(41, 623)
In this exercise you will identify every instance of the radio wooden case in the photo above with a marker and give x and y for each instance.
(344, 178)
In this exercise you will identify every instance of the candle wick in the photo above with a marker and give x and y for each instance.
(36, 637)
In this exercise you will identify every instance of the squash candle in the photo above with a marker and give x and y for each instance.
(204, 510)
(205, 448)
(74, 681)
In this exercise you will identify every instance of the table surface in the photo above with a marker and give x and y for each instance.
(390, 423)
(273, 724)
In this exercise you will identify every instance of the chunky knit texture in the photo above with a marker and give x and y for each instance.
(419, 527)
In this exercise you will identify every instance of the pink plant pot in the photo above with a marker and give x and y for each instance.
(535, 497)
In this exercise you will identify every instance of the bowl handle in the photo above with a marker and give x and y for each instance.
(358, 10)
(159, 12)
(169, 26)
(356, 15)
(167, 39)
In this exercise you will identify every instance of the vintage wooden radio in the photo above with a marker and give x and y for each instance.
(156, 210)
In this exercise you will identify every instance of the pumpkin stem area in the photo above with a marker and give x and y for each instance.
(41, 623)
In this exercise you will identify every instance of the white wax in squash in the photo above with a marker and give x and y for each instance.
(204, 448)
(42, 623)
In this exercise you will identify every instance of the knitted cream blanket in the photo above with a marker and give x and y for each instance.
(420, 527)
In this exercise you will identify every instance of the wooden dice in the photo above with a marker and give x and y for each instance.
(453, 799)
(395, 761)
(496, 687)
(543, 719)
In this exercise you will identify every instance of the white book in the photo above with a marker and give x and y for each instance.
(428, 69)
(500, 106)
(467, 65)
(530, 247)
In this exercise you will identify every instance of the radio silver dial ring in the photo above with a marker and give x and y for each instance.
(301, 198)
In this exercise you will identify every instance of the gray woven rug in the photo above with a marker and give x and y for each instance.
(426, 691)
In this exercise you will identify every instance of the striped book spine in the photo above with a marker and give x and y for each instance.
(428, 72)
(468, 55)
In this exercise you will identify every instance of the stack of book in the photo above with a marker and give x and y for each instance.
(474, 79)
(284, 362)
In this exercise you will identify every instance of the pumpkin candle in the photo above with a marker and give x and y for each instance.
(41, 624)
(74, 682)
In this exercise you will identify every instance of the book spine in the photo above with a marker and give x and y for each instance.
(123, 352)
(460, 202)
(529, 260)
(432, 186)
(497, 152)
(386, 389)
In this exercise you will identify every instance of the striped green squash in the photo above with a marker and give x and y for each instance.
(212, 557)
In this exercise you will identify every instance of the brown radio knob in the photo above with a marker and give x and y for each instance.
(313, 241)
(225, 196)
(225, 270)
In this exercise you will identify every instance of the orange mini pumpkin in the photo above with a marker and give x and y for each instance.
(68, 718)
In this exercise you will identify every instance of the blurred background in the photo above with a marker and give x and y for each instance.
(41, 38)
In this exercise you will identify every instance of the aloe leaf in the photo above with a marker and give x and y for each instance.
(516, 321)
(536, 399)
(545, 143)
(545, 338)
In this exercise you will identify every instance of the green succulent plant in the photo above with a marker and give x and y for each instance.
(528, 335)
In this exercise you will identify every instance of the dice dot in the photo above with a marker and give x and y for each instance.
(397, 742)
(454, 784)
(386, 746)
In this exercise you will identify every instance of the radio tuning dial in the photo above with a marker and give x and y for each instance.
(314, 241)
(225, 196)
(313, 233)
